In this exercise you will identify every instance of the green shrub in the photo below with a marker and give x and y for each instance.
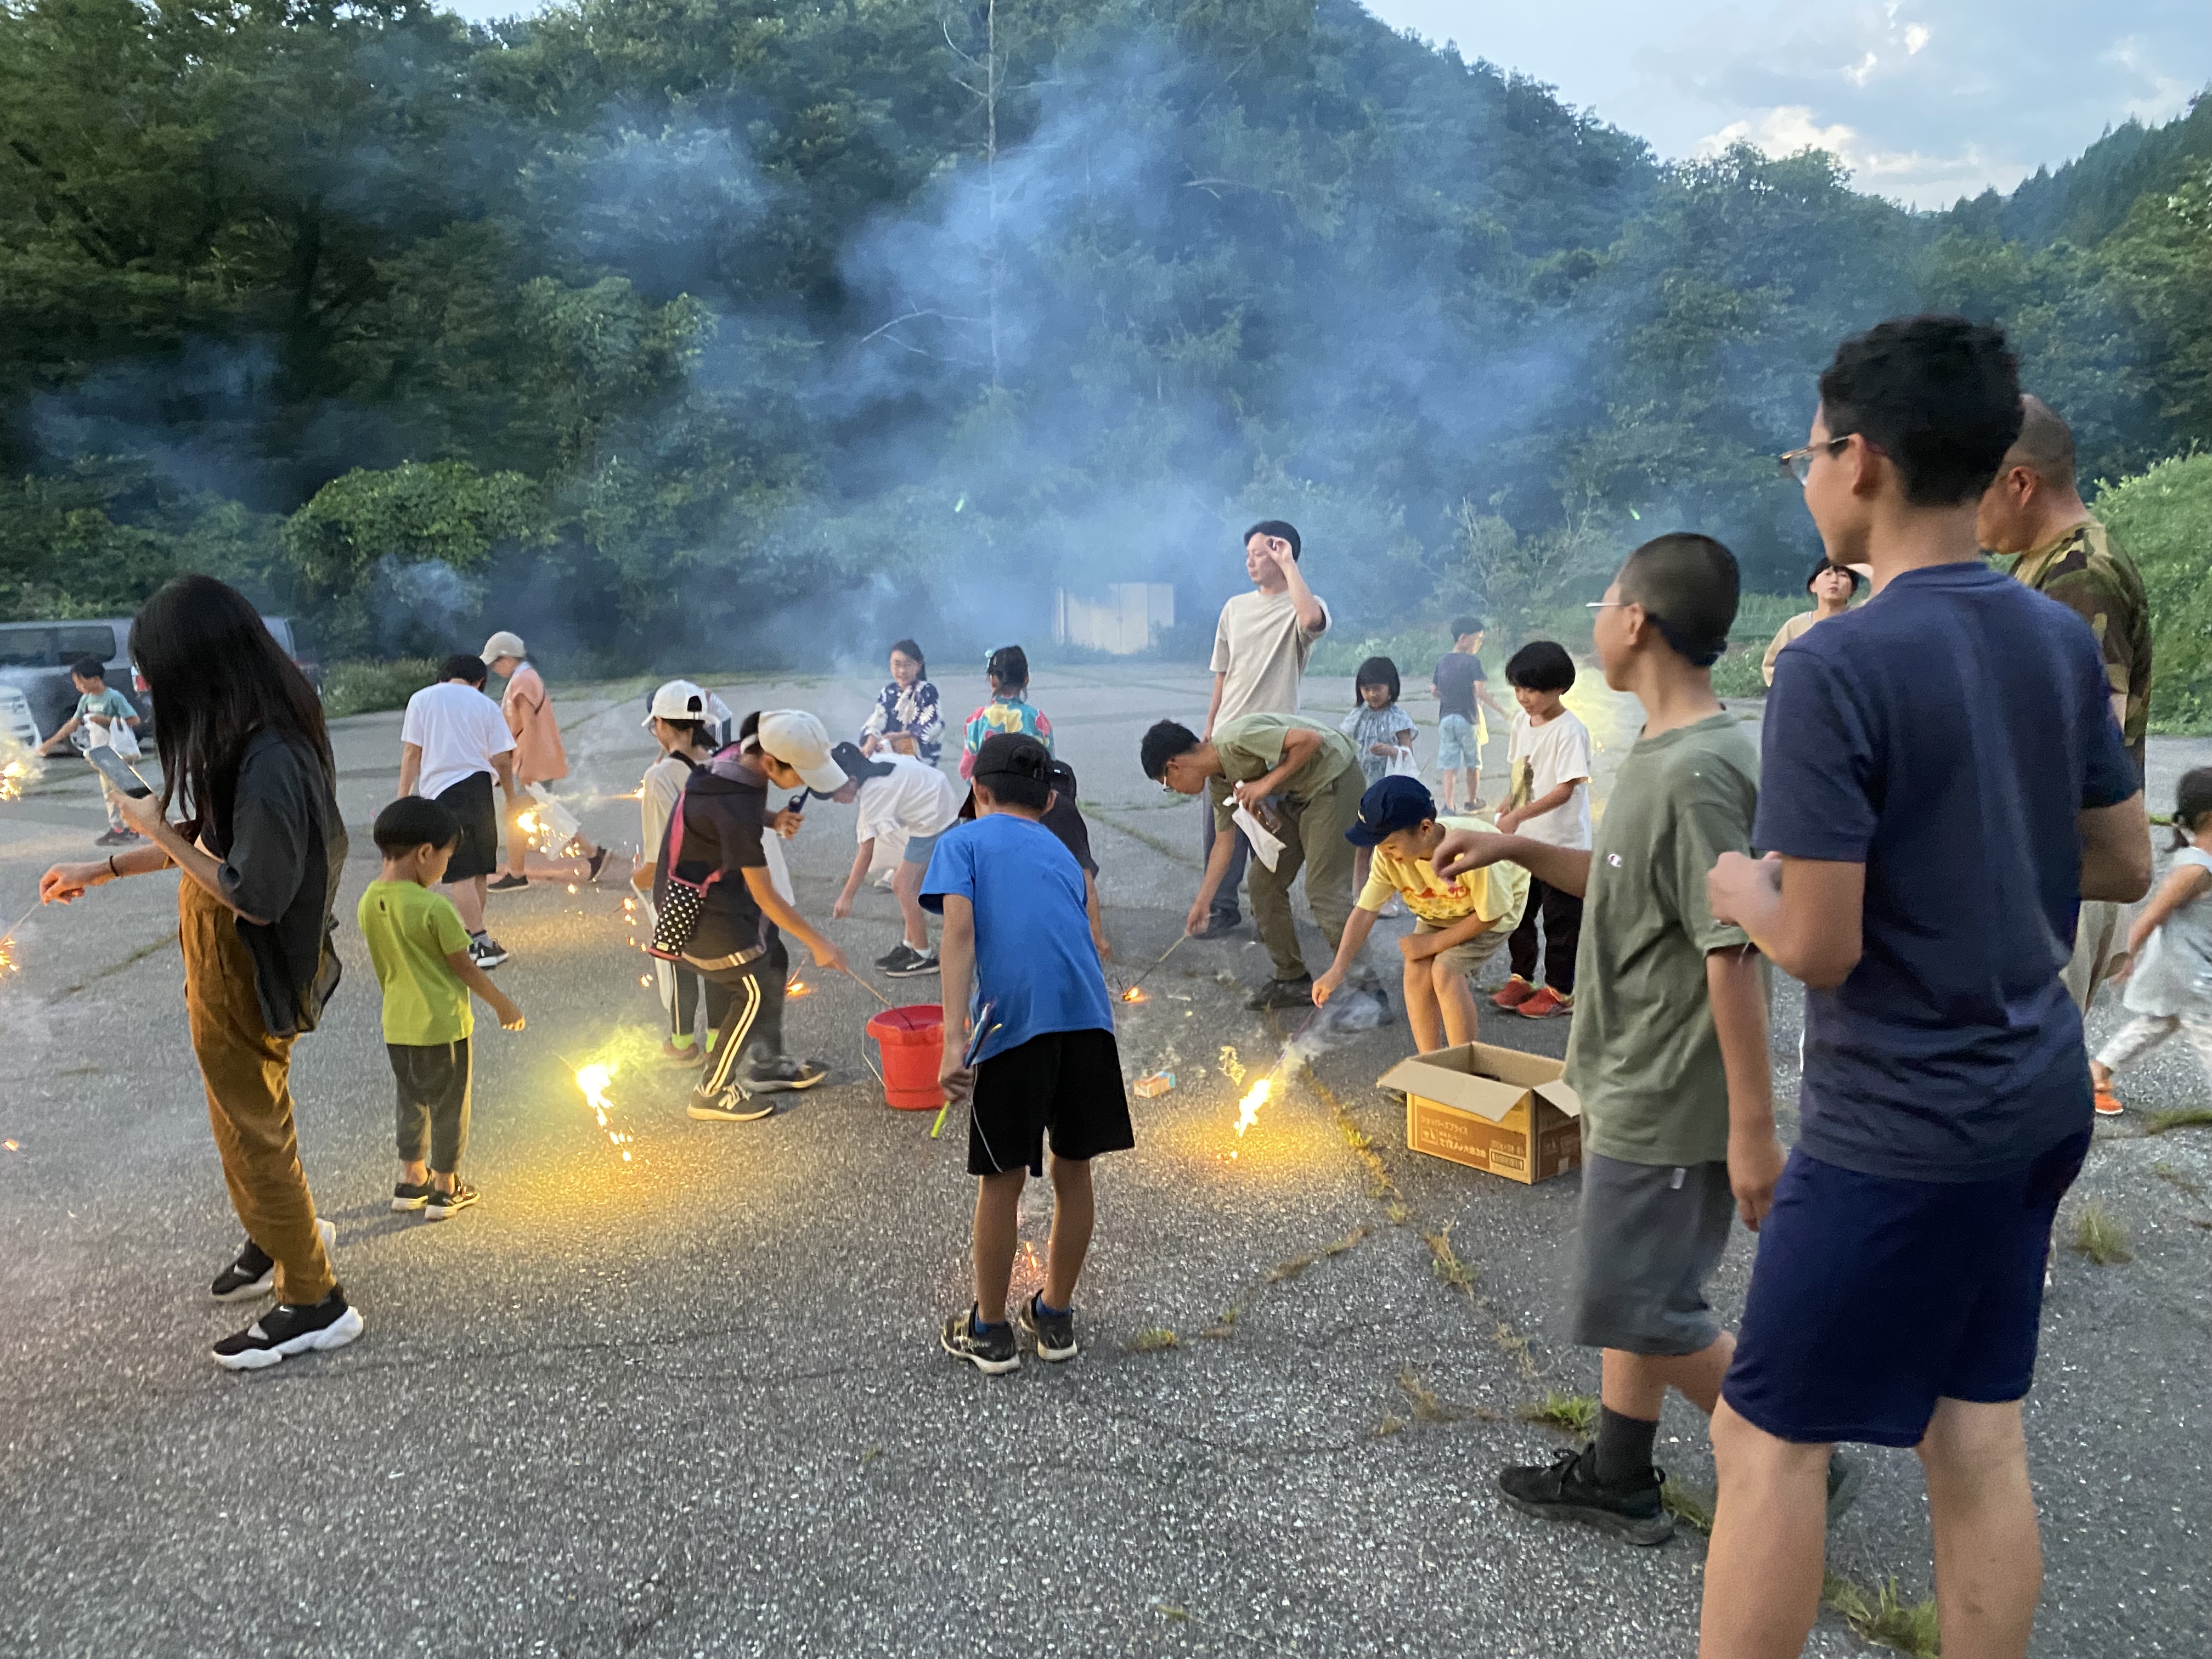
(363, 687)
(2163, 516)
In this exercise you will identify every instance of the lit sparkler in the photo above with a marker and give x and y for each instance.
(1132, 993)
(593, 1079)
(1247, 1109)
(796, 987)
(13, 775)
(7, 963)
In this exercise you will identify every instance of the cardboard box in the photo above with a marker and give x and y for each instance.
(1491, 1109)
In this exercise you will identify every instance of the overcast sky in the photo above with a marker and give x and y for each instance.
(1926, 99)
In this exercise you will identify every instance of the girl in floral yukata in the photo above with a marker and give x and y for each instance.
(907, 719)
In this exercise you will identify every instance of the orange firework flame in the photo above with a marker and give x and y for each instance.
(1133, 994)
(795, 986)
(13, 776)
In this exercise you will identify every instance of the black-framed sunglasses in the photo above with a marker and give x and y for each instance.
(1798, 463)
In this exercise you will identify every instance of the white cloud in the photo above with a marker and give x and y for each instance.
(1926, 99)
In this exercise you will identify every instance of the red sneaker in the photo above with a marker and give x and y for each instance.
(1511, 994)
(2108, 1104)
(1545, 1003)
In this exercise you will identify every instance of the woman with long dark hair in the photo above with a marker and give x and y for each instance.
(245, 761)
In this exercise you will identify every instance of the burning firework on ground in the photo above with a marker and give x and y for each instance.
(1134, 994)
(593, 1079)
(19, 767)
(796, 987)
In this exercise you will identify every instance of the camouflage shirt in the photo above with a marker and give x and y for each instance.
(2091, 574)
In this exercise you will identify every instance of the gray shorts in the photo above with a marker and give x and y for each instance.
(1651, 1236)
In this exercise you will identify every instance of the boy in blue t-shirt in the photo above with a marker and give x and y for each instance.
(1042, 1054)
(102, 712)
(1943, 785)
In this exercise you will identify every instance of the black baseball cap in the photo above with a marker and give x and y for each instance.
(1394, 804)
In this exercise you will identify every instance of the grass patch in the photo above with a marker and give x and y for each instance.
(2179, 1117)
(1444, 1261)
(2164, 1172)
(2100, 1237)
(1283, 1271)
(1155, 1338)
(1575, 1413)
(1884, 1617)
(1693, 1509)
(1429, 1407)
(364, 687)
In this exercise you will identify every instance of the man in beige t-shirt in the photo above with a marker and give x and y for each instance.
(1261, 647)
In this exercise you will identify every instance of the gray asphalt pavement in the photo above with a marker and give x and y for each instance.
(693, 1404)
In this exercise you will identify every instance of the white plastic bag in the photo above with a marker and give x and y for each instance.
(1267, 847)
(1402, 765)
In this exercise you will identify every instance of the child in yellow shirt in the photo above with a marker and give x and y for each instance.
(1461, 923)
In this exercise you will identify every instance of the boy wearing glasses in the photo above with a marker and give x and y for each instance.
(1668, 1048)
(1944, 785)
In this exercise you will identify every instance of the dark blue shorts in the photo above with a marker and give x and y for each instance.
(1872, 1298)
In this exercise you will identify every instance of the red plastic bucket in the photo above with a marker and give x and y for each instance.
(912, 1040)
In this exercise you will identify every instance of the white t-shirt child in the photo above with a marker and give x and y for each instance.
(1555, 752)
(913, 799)
(459, 731)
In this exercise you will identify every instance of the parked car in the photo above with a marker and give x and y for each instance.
(36, 695)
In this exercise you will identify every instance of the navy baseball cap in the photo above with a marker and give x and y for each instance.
(1392, 805)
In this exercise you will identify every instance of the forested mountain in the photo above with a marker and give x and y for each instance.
(670, 325)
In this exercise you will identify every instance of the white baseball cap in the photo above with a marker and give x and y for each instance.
(503, 644)
(800, 742)
(678, 700)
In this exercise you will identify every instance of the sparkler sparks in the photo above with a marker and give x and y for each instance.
(1133, 994)
(796, 987)
(1247, 1109)
(593, 1079)
(13, 775)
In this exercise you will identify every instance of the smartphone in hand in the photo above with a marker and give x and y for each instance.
(118, 771)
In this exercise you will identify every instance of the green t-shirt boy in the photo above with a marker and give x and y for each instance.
(410, 931)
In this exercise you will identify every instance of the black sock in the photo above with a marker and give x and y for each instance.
(1624, 1449)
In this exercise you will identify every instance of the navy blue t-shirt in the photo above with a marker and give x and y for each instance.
(1035, 961)
(1944, 734)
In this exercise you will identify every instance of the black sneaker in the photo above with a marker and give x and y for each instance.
(407, 1195)
(1567, 1489)
(599, 862)
(486, 951)
(115, 838)
(508, 883)
(1283, 994)
(991, 1349)
(730, 1105)
(781, 1074)
(285, 1330)
(448, 1203)
(1219, 928)
(893, 956)
(1053, 1334)
(253, 1273)
(1846, 1475)
(913, 965)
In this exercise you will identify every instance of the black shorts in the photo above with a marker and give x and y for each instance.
(1069, 1082)
(477, 852)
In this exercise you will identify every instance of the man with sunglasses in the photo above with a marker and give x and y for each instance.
(1941, 784)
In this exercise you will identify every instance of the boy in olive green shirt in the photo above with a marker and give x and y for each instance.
(1302, 779)
(419, 947)
(1668, 1048)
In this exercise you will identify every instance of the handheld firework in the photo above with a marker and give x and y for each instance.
(7, 939)
(982, 1034)
(1134, 994)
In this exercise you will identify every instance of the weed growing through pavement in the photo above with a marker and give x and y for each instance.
(2100, 1237)
(1429, 1407)
(1884, 1617)
(1154, 1339)
(2179, 1117)
(1576, 1413)
(2173, 1176)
